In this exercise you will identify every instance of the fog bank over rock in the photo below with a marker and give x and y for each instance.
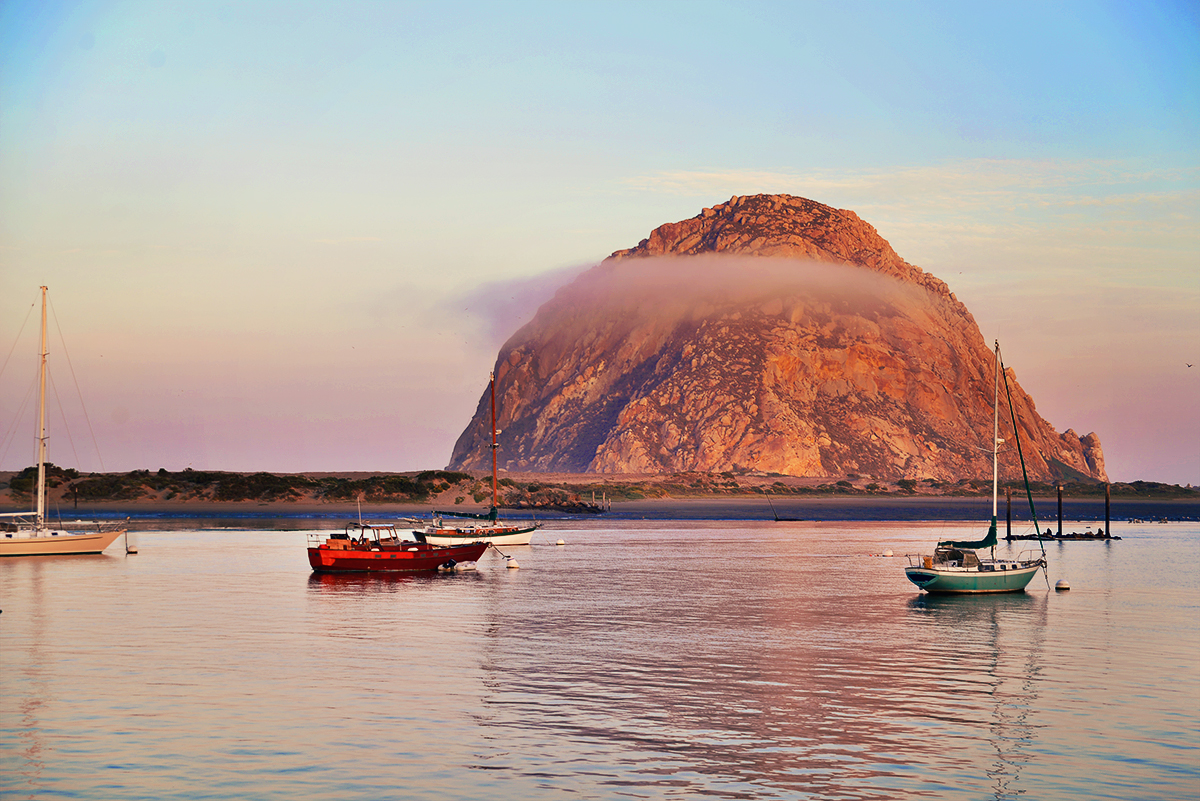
(768, 333)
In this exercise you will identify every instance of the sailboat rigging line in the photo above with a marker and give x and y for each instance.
(11, 350)
(1024, 472)
(63, 416)
(771, 504)
(11, 432)
(10, 435)
(78, 392)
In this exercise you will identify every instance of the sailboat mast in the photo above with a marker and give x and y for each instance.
(995, 442)
(996, 432)
(41, 436)
(495, 494)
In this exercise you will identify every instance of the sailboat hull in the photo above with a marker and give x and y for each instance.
(50, 543)
(971, 580)
(497, 535)
(407, 557)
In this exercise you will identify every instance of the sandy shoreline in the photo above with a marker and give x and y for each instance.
(662, 497)
(918, 507)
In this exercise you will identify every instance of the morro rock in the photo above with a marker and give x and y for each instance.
(768, 333)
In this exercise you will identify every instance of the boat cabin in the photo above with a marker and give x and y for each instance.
(367, 536)
(955, 557)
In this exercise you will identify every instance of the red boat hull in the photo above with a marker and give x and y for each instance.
(409, 557)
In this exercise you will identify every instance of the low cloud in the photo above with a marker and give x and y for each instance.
(504, 306)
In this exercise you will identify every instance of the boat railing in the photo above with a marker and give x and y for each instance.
(356, 535)
(920, 560)
(1030, 556)
(102, 526)
(25, 521)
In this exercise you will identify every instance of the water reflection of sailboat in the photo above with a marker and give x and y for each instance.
(1005, 634)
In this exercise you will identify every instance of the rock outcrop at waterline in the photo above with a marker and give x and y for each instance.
(768, 333)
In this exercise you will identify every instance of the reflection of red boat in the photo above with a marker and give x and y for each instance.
(380, 549)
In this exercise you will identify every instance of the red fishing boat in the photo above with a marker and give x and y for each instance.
(379, 549)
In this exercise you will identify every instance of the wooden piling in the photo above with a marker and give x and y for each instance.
(1107, 502)
(1060, 510)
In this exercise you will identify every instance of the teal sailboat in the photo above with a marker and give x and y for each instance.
(956, 566)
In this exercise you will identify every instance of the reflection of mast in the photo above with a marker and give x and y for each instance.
(34, 695)
(1009, 732)
(1011, 736)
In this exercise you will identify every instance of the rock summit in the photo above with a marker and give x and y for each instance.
(769, 333)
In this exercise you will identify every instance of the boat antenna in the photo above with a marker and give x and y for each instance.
(1024, 472)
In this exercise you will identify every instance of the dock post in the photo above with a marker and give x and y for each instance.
(1008, 499)
(1107, 502)
(1060, 510)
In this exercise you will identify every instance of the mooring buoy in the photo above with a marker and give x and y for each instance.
(560, 542)
(1062, 584)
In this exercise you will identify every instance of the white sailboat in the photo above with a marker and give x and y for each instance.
(490, 528)
(28, 533)
(956, 567)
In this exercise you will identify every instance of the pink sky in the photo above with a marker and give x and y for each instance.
(292, 238)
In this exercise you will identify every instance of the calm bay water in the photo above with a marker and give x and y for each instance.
(642, 660)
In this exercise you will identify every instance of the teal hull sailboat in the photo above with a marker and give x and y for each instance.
(956, 566)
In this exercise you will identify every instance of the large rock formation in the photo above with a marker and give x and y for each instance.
(769, 333)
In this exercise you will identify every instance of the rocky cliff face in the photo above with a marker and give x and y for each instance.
(768, 333)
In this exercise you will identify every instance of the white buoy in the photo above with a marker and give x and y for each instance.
(512, 564)
(130, 549)
(1062, 584)
(888, 552)
(560, 542)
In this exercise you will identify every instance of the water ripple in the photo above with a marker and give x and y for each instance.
(644, 660)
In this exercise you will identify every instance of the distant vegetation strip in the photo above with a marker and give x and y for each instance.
(204, 485)
(444, 486)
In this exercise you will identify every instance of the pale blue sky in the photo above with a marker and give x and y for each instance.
(267, 227)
